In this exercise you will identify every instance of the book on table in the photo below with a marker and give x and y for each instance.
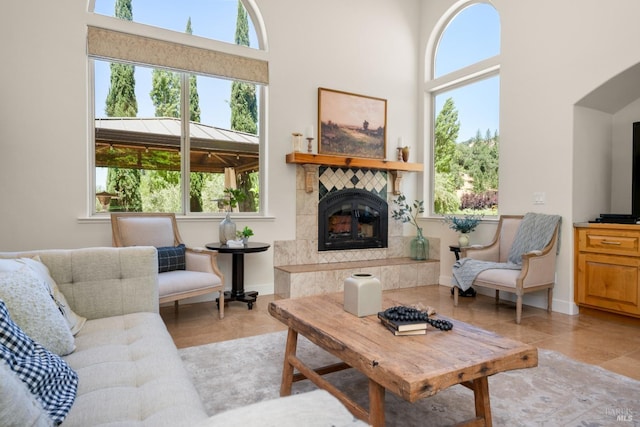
(403, 333)
(402, 325)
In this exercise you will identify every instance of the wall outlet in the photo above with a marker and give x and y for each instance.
(538, 198)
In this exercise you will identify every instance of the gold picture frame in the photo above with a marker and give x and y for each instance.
(351, 125)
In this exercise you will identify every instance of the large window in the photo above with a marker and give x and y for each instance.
(156, 99)
(463, 89)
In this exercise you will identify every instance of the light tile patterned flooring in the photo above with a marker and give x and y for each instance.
(610, 341)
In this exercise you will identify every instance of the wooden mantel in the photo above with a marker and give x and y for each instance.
(394, 167)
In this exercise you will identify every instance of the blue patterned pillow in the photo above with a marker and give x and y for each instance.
(49, 378)
(171, 258)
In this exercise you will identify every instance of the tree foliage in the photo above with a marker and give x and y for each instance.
(244, 114)
(121, 102)
(466, 173)
(446, 134)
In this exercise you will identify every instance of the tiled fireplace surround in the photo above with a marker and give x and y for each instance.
(301, 270)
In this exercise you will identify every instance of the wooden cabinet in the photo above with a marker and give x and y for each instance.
(607, 267)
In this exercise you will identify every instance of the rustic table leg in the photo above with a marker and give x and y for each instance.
(376, 404)
(287, 369)
(481, 395)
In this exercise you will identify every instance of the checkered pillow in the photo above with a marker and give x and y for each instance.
(48, 377)
(171, 258)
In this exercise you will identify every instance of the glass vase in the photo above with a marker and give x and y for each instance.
(227, 229)
(419, 247)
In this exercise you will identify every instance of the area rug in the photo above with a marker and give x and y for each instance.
(559, 392)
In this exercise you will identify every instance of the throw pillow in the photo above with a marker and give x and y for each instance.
(47, 376)
(34, 310)
(75, 322)
(171, 258)
(18, 407)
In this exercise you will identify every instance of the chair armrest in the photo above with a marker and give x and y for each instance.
(538, 267)
(481, 252)
(204, 260)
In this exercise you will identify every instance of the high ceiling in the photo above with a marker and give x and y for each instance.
(154, 143)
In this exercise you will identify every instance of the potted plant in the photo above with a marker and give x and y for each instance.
(409, 213)
(463, 225)
(244, 234)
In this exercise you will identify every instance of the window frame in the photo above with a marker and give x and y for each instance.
(434, 86)
(238, 57)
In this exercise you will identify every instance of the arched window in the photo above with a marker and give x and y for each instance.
(171, 78)
(462, 91)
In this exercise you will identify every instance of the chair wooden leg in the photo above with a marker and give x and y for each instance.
(455, 296)
(497, 297)
(175, 305)
(518, 308)
(221, 305)
(549, 299)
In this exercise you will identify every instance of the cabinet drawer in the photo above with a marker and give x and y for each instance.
(609, 242)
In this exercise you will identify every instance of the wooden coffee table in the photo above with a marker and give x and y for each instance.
(412, 367)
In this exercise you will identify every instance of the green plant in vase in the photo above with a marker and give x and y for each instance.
(407, 212)
(244, 234)
(463, 225)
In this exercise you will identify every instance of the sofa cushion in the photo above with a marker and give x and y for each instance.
(47, 376)
(75, 322)
(18, 407)
(171, 258)
(131, 374)
(34, 310)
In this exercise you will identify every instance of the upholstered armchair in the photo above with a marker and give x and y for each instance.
(182, 272)
(536, 272)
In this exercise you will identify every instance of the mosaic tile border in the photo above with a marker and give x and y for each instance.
(333, 179)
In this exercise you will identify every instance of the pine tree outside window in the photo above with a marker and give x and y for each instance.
(462, 91)
(147, 115)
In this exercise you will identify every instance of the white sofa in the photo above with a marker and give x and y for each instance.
(130, 372)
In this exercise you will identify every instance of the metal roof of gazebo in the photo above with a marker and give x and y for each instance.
(154, 143)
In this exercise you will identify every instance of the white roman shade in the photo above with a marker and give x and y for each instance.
(119, 46)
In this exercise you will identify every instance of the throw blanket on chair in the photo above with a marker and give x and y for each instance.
(534, 233)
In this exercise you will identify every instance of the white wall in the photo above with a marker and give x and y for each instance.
(591, 164)
(553, 54)
(361, 46)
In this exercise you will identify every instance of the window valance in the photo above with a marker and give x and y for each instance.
(116, 45)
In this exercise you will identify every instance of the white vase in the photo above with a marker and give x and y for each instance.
(463, 240)
(362, 294)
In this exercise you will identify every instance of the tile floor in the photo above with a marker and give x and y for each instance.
(610, 341)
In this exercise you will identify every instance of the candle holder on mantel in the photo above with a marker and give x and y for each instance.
(399, 154)
(309, 145)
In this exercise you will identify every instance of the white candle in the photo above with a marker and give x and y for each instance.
(400, 142)
(310, 133)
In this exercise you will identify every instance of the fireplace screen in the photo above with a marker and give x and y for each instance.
(352, 219)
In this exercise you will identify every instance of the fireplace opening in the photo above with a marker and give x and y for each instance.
(352, 219)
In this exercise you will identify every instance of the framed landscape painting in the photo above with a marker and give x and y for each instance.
(351, 125)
